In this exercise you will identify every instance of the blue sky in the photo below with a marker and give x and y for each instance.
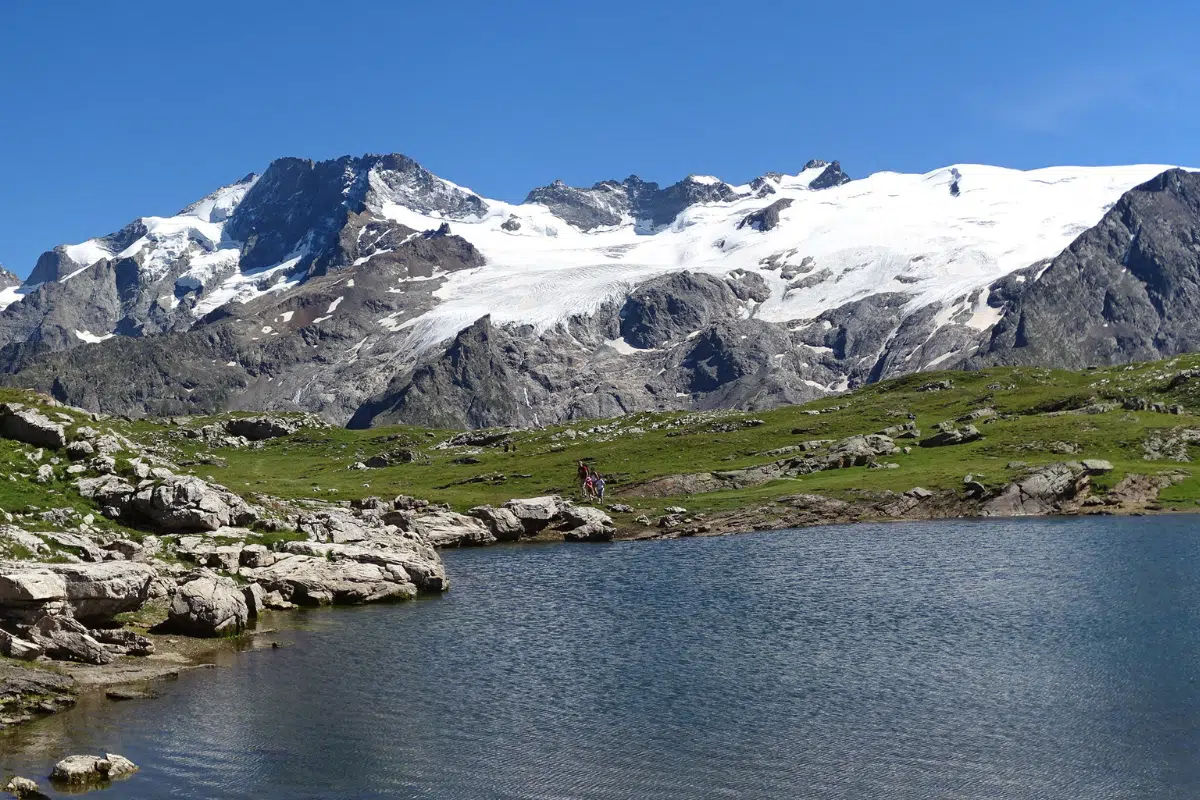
(109, 111)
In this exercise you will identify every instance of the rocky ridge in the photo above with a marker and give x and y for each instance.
(322, 286)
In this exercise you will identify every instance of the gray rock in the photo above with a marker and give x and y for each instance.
(317, 580)
(100, 591)
(1125, 290)
(30, 426)
(186, 503)
(80, 449)
(950, 435)
(256, 597)
(1042, 492)
(208, 605)
(24, 788)
(20, 649)
(586, 524)
(82, 770)
(260, 428)
(503, 523)
(68, 640)
(673, 306)
(449, 529)
(765, 219)
(535, 513)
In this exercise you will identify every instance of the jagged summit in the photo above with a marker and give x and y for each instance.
(643, 203)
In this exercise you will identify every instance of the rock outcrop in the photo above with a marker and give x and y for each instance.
(30, 426)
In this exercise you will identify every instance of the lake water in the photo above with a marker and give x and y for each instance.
(1009, 659)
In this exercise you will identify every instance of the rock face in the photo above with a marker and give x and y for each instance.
(1125, 290)
(766, 219)
(1045, 490)
(448, 529)
(208, 605)
(673, 306)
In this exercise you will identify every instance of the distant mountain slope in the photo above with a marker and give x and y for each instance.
(1126, 290)
(373, 289)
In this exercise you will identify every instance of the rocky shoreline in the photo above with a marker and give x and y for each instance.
(145, 567)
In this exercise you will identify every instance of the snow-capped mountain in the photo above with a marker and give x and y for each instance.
(371, 287)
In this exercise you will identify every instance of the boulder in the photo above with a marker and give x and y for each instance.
(208, 605)
(68, 640)
(586, 524)
(123, 642)
(503, 524)
(255, 556)
(535, 513)
(450, 529)
(947, 435)
(30, 426)
(80, 450)
(84, 770)
(257, 429)
(256, 597)
(186, 503)
(106, 490)
(24, 789)
(20, 649)
(334, 525)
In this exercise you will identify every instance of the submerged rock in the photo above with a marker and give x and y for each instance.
(83, 769)
(24, 788)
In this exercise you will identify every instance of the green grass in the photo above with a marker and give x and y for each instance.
(315, 463)
(311, 464)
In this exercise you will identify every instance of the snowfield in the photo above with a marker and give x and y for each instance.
(889, 232)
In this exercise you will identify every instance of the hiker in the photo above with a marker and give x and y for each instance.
(598, 485)
(589, 487)
(583, 473)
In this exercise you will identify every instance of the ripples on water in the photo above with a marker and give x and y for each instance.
(1010, 659)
